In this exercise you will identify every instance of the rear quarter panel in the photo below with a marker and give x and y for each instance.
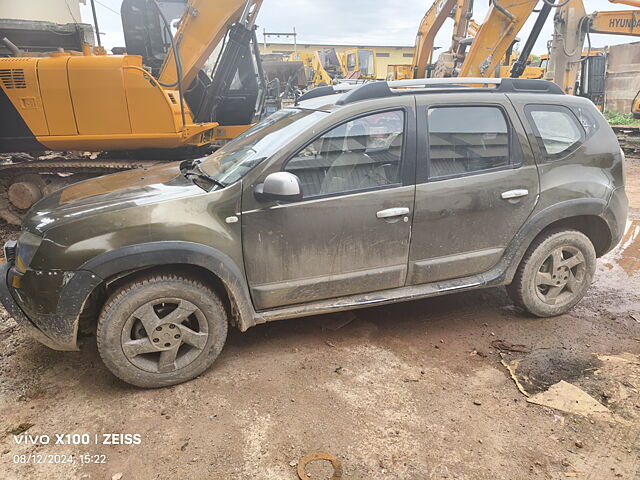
(592, 171)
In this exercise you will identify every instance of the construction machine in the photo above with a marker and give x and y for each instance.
(465, 30)
(157, 96)
(583, 73)
(321, 67)
(359, 64)
(572, 26)
(432, 21)
(324, 67)
(577, 72)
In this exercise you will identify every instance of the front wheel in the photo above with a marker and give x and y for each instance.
(161, 330)
(555, 273)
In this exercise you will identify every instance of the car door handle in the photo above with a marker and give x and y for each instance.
(392, 212)
(514, 194)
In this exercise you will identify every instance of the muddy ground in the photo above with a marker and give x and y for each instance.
(409, 391)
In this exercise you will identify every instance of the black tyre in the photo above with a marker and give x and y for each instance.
(555, 273)
(161, 330)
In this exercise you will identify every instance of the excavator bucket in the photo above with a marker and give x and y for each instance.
(287, 72)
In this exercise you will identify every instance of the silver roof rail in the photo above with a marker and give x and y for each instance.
(426, 82)
(382, 89)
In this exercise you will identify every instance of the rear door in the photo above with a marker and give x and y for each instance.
(476, 185)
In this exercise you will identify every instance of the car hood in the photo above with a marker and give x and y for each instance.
(106, 194)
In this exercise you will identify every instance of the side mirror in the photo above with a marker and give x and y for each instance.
(279, 186)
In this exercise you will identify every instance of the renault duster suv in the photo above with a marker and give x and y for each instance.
(386, 192)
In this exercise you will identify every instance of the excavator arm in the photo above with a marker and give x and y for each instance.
(463, 27)
(571, 26)
(620, 22)
(429, 27)
(631, 3)
(201, 28)
(504, 20)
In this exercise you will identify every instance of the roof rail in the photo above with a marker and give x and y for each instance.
(427, 85)
(429, 82)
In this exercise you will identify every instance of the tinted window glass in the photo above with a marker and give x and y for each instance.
(557, 129)
(466, 139)
(233, 161)
(586, 119)
(361, 154)
(366, 62)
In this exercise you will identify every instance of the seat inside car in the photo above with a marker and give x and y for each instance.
(353, 169)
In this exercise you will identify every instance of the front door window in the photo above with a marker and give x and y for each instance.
(359, 155)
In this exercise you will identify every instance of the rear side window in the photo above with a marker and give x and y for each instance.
(586, 119)
(557, 129)
(467, 139)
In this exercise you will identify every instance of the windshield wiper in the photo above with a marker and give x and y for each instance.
(193, 170)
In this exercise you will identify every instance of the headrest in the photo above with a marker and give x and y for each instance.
(357, 139)
(334, 141)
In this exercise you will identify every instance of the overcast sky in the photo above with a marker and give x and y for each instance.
(351, 22)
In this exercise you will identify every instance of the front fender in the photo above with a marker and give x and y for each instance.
(137, 257)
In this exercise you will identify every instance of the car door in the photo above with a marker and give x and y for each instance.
(350, 232)
(477, 184)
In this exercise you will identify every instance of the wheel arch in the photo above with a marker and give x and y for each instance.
(207, 264)
(584, 215)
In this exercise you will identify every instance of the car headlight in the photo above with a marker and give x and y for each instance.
(28, 245)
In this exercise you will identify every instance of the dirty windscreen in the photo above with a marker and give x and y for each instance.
(237, 158)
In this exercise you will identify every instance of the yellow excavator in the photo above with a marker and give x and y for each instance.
(359, 64)
(321, 67)
(157, 96)
(566, 62)
(581, 72)
(465, 30)
(93, 101)
(324, 67)
(432, 21)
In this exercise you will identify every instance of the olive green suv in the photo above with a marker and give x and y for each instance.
(385, 192)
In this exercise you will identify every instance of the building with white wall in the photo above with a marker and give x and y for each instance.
(56, 11)
(43, 25)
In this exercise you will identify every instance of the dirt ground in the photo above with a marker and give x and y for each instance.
(409, 391)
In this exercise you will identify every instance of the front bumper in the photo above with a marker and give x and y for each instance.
(51, 316)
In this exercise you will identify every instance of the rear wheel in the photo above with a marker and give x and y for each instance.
(555, 274)
(161, 330)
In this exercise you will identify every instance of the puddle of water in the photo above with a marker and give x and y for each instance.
(627, 253)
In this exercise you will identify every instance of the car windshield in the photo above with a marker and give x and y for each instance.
(238, 157)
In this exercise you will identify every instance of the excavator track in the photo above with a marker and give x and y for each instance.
(629, 138)
(24, 183)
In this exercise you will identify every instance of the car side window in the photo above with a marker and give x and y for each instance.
(467, 139)
(360, 154)
(557, 129)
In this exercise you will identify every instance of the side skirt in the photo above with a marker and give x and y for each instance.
(383, 297)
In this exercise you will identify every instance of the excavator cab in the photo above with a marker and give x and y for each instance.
(229, 92)
(592, 78)
(360, 63)
(144, 30)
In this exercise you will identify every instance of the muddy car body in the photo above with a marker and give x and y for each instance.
(349, 200)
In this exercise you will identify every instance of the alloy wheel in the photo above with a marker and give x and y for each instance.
(164, 335)
(561, 276)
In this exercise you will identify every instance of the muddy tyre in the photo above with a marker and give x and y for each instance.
(555, 274)
(161, 331)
